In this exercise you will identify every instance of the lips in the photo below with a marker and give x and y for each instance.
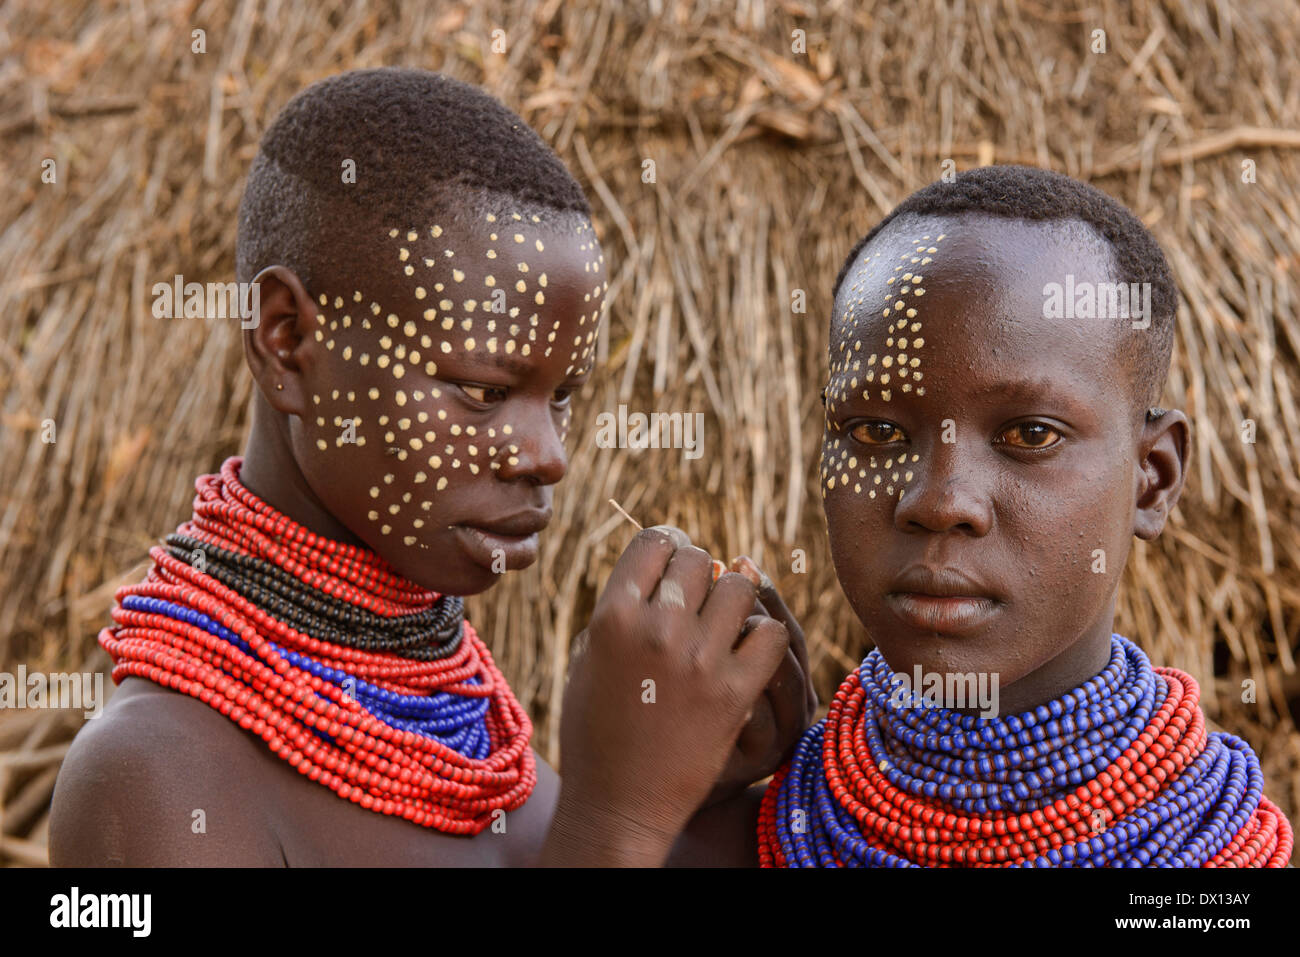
(940, 583)
(504, 544)
(519, 524)
(942, 599)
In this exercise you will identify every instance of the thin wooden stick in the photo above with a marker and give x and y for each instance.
(623, 512)
(719, 568)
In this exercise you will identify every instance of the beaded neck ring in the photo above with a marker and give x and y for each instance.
(424, 636)
(1120, 772)
(362, 681)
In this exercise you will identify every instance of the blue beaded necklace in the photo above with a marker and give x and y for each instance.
(456, 721)
(956, 764)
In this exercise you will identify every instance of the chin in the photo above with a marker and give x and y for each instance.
(475, 584)
(939, 653)
(466, 580)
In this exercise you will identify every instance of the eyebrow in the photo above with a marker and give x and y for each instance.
(1033, 387)
(516, 365)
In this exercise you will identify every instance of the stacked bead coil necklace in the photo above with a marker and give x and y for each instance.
(1120, 772)
(362, 681)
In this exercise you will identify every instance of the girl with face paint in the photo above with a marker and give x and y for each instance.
(985, 466)
(301, 638)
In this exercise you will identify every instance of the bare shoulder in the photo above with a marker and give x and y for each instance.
(160, 779)
(529, 824)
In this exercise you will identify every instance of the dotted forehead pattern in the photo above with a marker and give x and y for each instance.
(501, 318)
(897, 369)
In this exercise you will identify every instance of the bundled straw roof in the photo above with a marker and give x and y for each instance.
(768, 164)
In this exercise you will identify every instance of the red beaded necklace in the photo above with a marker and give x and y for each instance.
(365, 759)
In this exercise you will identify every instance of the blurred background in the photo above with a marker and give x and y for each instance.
(779, 132)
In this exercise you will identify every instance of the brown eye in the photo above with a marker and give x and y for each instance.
(875, 433)
(480, 393)
(1032, 435)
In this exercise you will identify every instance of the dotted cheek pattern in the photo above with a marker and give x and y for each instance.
(503, 317)
(895, 371)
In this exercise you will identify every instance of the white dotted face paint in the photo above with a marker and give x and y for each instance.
(847, 460)
(426, 447)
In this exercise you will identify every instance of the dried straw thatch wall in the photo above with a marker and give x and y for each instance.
(769, 163)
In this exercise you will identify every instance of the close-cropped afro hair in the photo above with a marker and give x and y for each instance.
(419, 143)
(1028, 193)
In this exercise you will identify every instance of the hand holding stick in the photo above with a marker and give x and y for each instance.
(718, 567)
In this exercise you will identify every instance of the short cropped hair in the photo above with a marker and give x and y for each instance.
(417, 142)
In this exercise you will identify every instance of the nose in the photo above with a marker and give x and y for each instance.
(534, 449)
(948, 492)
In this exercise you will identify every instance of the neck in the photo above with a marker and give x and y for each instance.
(1083, 660)
(271, 472)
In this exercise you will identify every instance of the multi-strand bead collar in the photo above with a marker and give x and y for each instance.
(362, 681)
(1120, 772)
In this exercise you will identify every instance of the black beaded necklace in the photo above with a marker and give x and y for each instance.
(424, 636)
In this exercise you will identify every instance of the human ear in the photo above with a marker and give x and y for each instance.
(1165, 447)
(275, 347)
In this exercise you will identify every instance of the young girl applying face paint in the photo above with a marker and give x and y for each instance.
(301, 638)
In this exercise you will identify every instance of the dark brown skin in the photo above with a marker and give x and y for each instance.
(648, 754)
(519, 414)
(1023, 524)
(133, 778)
